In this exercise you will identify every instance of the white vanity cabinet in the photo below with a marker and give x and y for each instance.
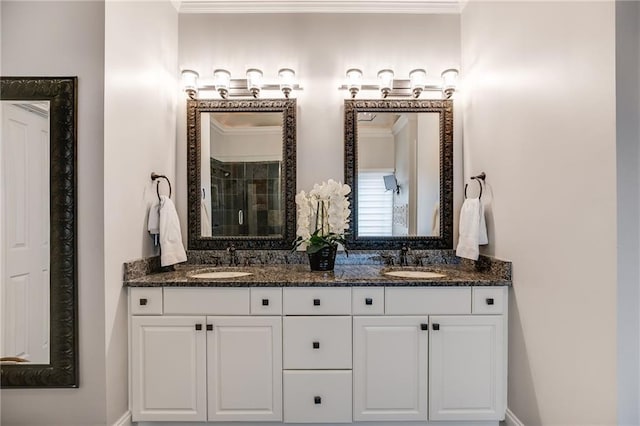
(390, 368)
(187, 367)
(467, 367)
(325, 355)
(447, 364)
(168, 368)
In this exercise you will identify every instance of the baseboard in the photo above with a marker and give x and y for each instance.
(125, 420)
(510, 419)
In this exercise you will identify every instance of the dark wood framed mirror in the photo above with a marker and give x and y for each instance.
(53, 362)
(241, 171)
(399, 164)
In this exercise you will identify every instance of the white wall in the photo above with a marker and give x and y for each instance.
(141, 72)
(539, 119)
(376, 150)
(628, 143)
(320, 48)
(67, 39)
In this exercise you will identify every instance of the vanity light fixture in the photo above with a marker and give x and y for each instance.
(389, 86)
(190, 83)
(354, 78)
(417, 81)
(254, 81)
(449, 81)
(227, 87)
(385, 77)
(221, 81)
(287, 78)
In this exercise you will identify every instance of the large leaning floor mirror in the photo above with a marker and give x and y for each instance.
(399, 164)
(38, 332)
(241, 163)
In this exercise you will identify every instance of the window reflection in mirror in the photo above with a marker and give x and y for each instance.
(398, 174)
(25, 248)
(241, 171)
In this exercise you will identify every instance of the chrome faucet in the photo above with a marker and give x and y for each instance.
(403, 256)
(233, 256)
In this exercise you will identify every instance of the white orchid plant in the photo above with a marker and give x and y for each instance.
(327, 208)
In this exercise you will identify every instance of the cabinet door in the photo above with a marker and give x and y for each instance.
(390, 368)
(466, 368)
(244, 368)
(168, 368)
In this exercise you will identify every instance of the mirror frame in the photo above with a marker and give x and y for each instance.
(443, 107)
(62, 370)
(287, 178)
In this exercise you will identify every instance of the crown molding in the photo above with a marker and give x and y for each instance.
(320, 6)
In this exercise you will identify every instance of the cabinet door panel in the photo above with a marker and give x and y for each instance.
(168, 368)
(244, 368)
(466, 368)
(390, 368)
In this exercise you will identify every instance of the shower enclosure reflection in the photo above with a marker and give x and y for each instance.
(241, 156)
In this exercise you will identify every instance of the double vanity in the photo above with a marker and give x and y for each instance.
(401, 331)
(278, 343)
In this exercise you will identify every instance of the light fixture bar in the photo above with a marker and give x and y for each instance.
(238, 87)
(400, 88)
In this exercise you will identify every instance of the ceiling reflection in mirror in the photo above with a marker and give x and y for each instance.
(25, 232)
(241, 168)
(399, 160)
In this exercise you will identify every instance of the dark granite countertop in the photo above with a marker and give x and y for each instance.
(299, 275)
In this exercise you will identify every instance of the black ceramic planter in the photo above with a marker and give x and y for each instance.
(323, 260)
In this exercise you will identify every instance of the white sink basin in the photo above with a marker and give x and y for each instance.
(414, 274)
(221, 274)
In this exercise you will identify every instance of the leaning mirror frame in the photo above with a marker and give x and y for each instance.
(62, 370)
(288, 176)
(445, 110)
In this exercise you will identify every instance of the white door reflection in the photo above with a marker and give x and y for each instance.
(24, 232)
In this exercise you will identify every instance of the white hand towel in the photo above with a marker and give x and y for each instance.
(205, 219)
(472, 229)
(153, 225)
(171, 248)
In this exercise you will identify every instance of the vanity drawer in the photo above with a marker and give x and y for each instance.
(206, 301)
(266, 301)
(427, 301)
(316, 342)
(145, 300)
(489, 300)
(367, 301)
(317, 396)
(317, 301)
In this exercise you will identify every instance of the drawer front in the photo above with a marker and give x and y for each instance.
(367, 301)
(316, 342)
(427, 301)
(489, 300)
(317, 301)
(145, 300)
(206, 301)
(317, 396)
(266, 301)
